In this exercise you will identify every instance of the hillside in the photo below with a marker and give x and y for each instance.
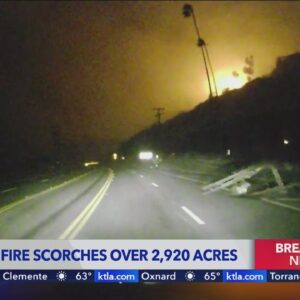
(259, 121)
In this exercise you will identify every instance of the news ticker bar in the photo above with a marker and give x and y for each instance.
(149, 276)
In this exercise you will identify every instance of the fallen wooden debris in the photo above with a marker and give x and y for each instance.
(238, 180)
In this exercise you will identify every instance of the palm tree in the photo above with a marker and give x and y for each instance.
(187, 12)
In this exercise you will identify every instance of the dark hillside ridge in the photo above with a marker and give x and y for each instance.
(252, 122)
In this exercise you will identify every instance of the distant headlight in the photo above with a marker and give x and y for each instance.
(91, 163)
(146, 155)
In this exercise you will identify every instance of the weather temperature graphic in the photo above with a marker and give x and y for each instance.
(190, 275)
(61, 276)
(83, 276)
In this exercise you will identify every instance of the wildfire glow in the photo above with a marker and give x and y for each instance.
(226, 81)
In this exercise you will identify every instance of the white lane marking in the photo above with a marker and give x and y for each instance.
(192, 215)
(142, 176)
(45, 180)
(8, 190)
(281, 204)
(154, 184)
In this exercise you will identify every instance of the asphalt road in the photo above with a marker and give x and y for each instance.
(138, 203)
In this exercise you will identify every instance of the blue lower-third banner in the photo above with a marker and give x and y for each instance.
(150, 276)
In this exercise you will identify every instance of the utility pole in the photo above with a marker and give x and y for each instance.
(159, 111)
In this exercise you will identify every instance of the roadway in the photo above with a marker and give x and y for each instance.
(137, 203)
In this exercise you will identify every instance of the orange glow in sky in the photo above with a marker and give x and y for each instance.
(225, 80)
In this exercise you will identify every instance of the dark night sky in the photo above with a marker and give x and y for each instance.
(94, 70)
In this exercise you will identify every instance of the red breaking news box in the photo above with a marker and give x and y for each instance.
(277, 254)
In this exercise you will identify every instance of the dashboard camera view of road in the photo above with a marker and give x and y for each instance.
(149, 120)
(150, 200)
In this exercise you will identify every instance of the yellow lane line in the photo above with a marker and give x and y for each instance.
(80, 221)
(31, 197)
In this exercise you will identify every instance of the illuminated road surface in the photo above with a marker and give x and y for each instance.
(137, 204)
